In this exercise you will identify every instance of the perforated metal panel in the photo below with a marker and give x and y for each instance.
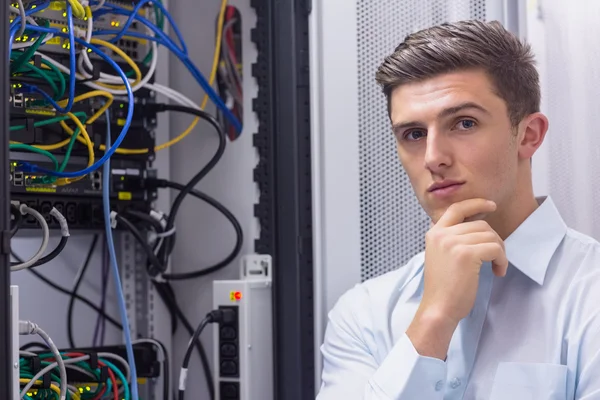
(393, 223)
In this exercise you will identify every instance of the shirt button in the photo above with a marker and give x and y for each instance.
(439, 385)
(455, 383)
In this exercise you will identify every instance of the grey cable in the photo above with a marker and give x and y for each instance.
(99, 5)
(121, 360)
(46, 237)
(80, 369)
(47, 369)
(23, 18)
(30, 328)
(159, 346)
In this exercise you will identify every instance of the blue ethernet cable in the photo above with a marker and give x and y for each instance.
(72, 59)
(168, 43)
(115, 267)
(27, 167)
(133, 13)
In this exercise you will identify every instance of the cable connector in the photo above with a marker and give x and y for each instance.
(221, 316)
(113, 219)
(27, 167)
(28, 328)
(64, 226)
(154, 183)
(159, 216)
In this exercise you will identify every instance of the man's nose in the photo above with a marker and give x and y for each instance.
(437, 152)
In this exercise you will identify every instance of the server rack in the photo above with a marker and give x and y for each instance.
(6, 389)
(284, 178)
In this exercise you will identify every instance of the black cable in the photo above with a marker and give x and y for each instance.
(32, 345)
(149, 252)
(18, 221)
(146, 218)
(165, 372)
(67, 292)
(15, 223)
(78, 280)
(236, 225)
(188, 352)
(155, 266)
(50, 256)
(215, 316)
(169, 242)
(167, 294)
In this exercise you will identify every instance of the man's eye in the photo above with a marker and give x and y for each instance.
(414, 135)
(465, 124)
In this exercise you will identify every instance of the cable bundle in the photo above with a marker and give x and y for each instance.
(96, 70)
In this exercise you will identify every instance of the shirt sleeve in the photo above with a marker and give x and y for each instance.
(583, 355)
(351, 372)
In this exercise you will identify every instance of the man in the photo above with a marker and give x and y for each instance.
(504, 302)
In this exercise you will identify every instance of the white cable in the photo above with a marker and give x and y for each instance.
(80, 370)
(170, 232)
(106, 78)
(46, 236)
(22, 45)
(164, 90)
(111, 79)
(30, 328)
(121, 361)
(21, 12)
(99, 5)
(161, 350)
(172, 94)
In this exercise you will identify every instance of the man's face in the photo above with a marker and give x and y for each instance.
(453, 131)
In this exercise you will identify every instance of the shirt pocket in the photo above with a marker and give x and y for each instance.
(530, 381)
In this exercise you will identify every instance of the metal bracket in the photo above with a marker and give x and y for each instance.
(5, 242)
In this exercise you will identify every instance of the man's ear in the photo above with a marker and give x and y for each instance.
(533, 131)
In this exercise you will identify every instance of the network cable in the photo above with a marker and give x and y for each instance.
(115, 267)
(167, 42)
(27, 167)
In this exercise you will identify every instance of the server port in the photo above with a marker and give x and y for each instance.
(228, 350)
(18, 178)
(230, 390)
(96, 176)
(45, 209)
(97, 185)
(71, 213)
(229, 368)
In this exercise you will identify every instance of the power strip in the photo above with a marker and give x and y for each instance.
(243, 350)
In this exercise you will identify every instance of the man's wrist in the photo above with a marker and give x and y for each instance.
(431, 332)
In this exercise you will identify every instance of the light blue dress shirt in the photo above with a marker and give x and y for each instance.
(532, 335)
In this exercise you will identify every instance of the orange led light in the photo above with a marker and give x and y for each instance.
(235, 295)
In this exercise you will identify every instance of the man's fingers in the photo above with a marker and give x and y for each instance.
(469, 227)
(494, 253)
(463, 210)
(477, 238)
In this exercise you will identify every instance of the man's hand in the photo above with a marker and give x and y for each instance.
(455, 249)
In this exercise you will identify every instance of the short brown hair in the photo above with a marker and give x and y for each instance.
(467, 45)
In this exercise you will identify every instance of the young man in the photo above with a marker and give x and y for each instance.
(504, 303)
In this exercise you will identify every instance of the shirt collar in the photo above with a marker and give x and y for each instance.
(531, 246)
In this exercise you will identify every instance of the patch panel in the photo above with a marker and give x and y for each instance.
(56, 16)
(81, 213)
(81, 201)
